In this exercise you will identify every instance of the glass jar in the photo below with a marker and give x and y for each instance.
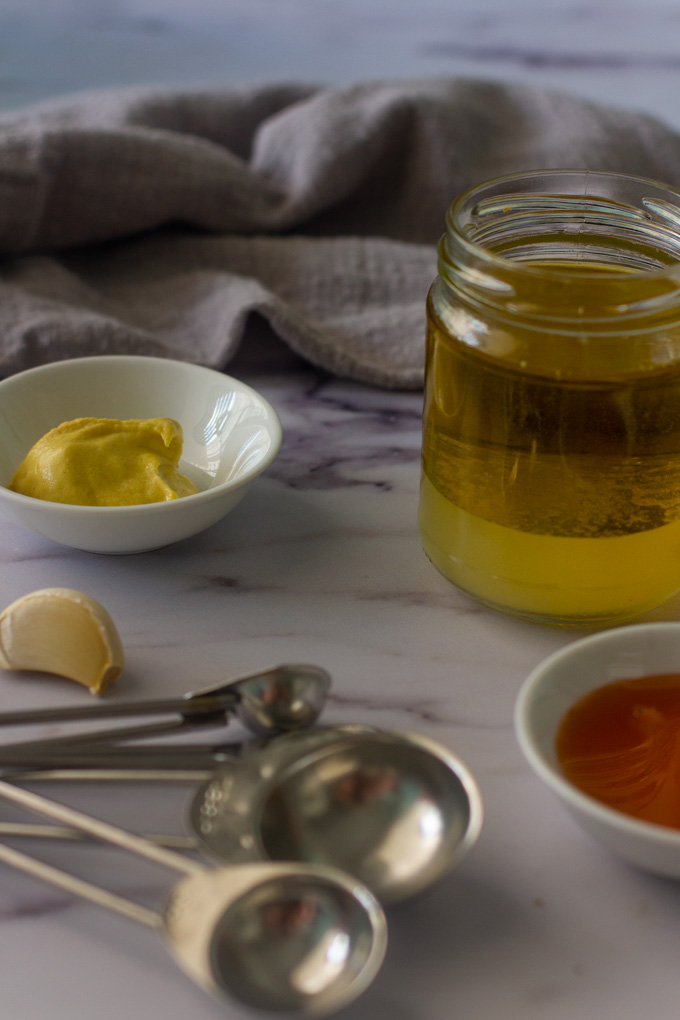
(550, 482)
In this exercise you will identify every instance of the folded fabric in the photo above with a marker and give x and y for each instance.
(157, 222)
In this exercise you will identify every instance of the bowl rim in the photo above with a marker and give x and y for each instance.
(273, 425)
(576, 799)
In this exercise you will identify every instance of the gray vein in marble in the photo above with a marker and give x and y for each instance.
(428, 711)
(233, 585)
(330, 439)
(143, 641)
(546, 58)
(46, 551)
(45, 906)
(429, 599)
(50, 904)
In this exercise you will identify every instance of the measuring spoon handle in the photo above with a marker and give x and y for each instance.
(100, 830)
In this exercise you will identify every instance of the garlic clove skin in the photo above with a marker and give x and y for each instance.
(62, 631)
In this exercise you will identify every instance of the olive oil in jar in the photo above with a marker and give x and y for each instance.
(551, 442)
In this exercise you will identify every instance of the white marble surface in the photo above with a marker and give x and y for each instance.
(620, 51)
(322, 563)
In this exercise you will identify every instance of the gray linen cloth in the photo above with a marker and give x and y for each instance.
(158, 222)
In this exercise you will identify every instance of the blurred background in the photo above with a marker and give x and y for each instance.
(625, 53)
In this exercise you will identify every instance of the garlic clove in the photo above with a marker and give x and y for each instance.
(61, 631)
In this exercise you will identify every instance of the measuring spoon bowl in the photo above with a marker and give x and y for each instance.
(396, 810)
(277, 937)
(286, 698)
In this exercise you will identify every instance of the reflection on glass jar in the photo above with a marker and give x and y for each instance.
(551, 440)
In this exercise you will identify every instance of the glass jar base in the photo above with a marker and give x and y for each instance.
(545, 578)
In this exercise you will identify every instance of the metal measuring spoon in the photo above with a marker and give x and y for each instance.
(396, 810)
(274, 936)
(279, 699)
(286, 698)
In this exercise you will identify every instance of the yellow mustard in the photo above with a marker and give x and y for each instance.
(106, 462)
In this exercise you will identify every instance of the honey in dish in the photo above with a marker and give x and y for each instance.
(553, 494)
(621, 745)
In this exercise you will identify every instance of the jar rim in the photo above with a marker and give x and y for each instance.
(656, 209)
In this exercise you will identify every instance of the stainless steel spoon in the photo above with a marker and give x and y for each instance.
(274, 936)
(282, 698)
(396, 810)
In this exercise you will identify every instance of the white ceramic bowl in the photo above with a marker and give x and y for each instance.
(231, 434)
(552, 688)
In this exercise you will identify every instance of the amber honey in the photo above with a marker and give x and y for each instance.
(621, 745)
(551, 437)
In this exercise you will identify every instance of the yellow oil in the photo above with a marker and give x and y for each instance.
(549, 577)
(555, 497)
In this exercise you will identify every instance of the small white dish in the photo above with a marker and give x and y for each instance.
(231, 434)
(548, 693)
